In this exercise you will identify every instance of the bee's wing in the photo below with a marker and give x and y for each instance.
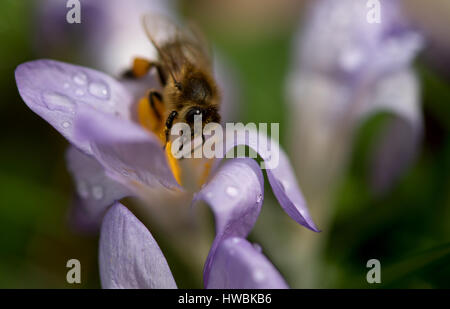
(176, 45)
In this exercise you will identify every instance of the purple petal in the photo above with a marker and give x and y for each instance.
(55, 90)
(95, 190)
(239, 265)
(348, 46)
(129, 256)
(398, 144)
(346, 69)
(395, 151)
(398, 93)
(279, 172)
(235, 194)
(108, 38)
(129, 153)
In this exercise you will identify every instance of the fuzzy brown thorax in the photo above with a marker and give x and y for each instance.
(194, 88)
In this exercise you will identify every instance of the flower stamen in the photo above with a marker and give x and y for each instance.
(149, 120)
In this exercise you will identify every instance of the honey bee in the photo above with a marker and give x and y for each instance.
(184, 68)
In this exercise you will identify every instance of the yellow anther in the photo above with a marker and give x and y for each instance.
(148, 119)
(140, 67)
(173, 163)
(206, 171)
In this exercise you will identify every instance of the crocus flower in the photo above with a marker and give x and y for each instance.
(346, 68)
(115, 154)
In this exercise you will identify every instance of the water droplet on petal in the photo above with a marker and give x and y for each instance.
(257, 247)
(66, 85)
(232, 191)
(79, 92)
(65, 124)
(259, 198)
(99, 90)
(55, 101)
(97, 192)
(80, 78)
(283, 184)
(351, 59)
(258, 275)
(82, 189)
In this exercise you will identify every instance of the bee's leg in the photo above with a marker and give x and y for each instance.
(203, 142)
(156, 103)
(169, 123)
(162, 76)
(142, 66)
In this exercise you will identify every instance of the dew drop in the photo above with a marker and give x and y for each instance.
(66, 124)
(232, 191)
(257, 247)
(283, 184)
(99, 90)
(258, 275)
(97, 192)
(351, 59)
(259, 198)
(80, 78)
(55, 101)
(82, 189)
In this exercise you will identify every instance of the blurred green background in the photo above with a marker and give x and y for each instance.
(407, 229)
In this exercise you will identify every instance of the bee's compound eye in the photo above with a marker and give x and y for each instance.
(190, 115)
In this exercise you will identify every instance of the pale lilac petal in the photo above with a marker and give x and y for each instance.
(55, 90)
(239, 265)
(348, 46)
(399, 142)
(395, 151)
(95, 190)
(345, 70)
(398, 93)
(140, 87)
(124, 37)
(109, 36)
(125, 150)
(279, 172)
(235, 195)
(129, 256)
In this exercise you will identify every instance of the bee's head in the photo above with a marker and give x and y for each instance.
(208, 114)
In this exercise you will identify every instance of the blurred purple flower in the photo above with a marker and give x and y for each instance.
(346, 69)
(112, 157)
(102, 40)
